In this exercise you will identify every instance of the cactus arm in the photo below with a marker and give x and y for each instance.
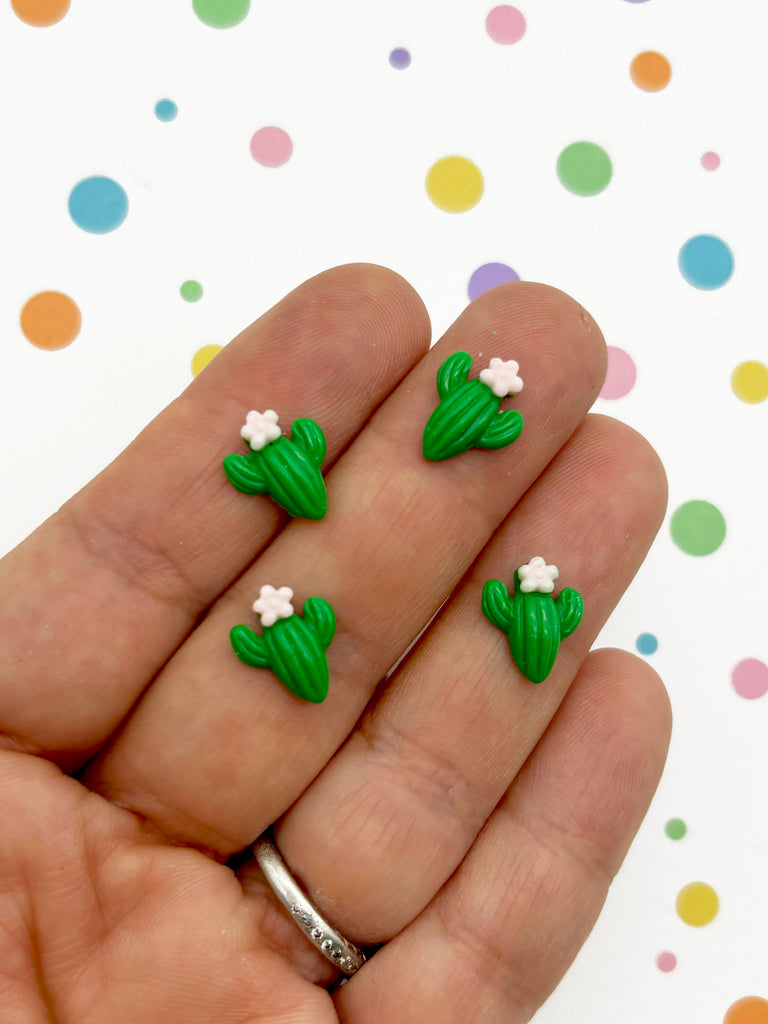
(496, 604)
(249, 648)
(244, 473)
(308, 436)
(319, 615)
(453, 372)
(570, 608)
(504, 428)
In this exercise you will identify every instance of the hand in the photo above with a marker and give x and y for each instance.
(464, 816)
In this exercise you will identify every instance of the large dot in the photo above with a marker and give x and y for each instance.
(584, 168)
(166, 110)
(454, 184)
(221, 13)
(675, 828)
(748, 1010)
(697, 904)
(697, 527)
(750, 678)
(40, 12)
(706, 262)
(647, 643)
(400, 58)
(749, 382)
(621, 374)
(488, 276)
(650, 71)
(710, 161)
(271, 147)
(50, 320)
(98, 205)
(191, 291)
(203, 356)
(666, 962)
(505, 24)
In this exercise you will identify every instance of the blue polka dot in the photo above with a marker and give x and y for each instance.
(399, 58)
(98, 205)
(706, 262)
(647, 643)
(166, 110)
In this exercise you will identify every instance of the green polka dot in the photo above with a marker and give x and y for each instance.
(675, 828)
(191, 291)
(698, 528)
(584, 168)
(221, 13)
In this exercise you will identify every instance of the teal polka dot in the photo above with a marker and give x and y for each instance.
(706, 262)
(166, 110)
(647, 643)
(98, 205)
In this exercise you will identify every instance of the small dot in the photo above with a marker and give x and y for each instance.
(647, 643)
(221, 13)
(50, 320)
(675, 828)
(166, 110)
(748, 1010)
(488, 276)
(191, 291)
(400, 58)
(750, 678)
(749, 382)
(200, 360)
(637, 1)
(666, 962)
(454, 184)
(271, 147)
(584, 168)
(706, 262)
(40, 12)
(697, 904)
(710, 161)
(505, 24)
(650, 71)
(98, 205)
(621, 374)
(698, 527)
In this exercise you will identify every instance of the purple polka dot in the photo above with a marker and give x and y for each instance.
(399, 58)
(488, 276)
(750, 678)
(621, 375)
(665, 961)
(271, 147)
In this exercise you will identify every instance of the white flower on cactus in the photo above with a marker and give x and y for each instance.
(537, 575)
(273, 604)
(501, 377)
(260, 428)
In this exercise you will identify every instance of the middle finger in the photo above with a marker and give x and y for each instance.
(216, 750)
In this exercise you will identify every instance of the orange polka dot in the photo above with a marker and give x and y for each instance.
(650, 71)
(50, 320)
(749, 1010)
(40, 12)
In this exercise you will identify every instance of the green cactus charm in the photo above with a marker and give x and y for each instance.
(534, 622)
(468, 415)
(293, 646)
(287, 470)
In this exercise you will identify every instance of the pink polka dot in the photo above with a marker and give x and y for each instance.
(271, 147)
(666, 962)
(750, 678)
(621, 375)
(710, 161)
(505, 24)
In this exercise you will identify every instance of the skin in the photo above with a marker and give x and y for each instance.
(470, 820)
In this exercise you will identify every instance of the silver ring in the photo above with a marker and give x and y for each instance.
(330, 942)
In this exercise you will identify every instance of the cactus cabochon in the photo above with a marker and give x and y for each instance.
(468, 415)
(534, 622)
(292, 645)
(287, 470)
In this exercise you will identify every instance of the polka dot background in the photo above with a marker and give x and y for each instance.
(152, 212)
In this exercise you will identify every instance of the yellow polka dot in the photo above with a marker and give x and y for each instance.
(203, 356)
(749, 1010)
(454, 184)
(50, 320)
(750, 382)
(697, 904)
(40, 12)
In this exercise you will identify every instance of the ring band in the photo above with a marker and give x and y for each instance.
(330, 942)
